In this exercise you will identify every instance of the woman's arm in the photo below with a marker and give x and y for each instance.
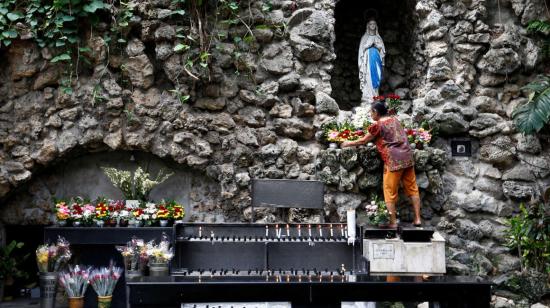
(365, 139)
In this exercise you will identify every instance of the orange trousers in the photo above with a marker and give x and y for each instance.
(392, 179)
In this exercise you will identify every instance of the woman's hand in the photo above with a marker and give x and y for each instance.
(346, 144)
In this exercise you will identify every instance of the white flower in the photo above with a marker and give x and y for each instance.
(373, 202)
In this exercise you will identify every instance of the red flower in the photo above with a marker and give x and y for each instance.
(378, 98)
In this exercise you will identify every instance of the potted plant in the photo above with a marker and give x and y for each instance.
(51, 258)
(135, 186)
(75, 282)
(159, 257)
(104, 280)
(9, 265)
(377, 213)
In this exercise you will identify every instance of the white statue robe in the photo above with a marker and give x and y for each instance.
(368, 41)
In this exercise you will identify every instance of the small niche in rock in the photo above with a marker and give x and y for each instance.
(395, 25)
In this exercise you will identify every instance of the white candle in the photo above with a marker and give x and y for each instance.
(351, 225)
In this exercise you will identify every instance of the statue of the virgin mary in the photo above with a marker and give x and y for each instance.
(371, 62)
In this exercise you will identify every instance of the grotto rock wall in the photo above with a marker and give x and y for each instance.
(468, 63)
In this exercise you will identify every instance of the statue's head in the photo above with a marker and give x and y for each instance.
(372, 27)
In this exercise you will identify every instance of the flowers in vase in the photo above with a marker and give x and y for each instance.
(168, 210)
(50, 258)
(62, 211)
(134, 254)
(104, 279)
(75, 281)
(161, 253)
(101, 210)
(136, 186)
(377, 213)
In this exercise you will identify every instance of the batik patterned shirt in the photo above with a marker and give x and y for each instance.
(391, 141)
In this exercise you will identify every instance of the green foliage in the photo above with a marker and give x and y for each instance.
(541, 28)
(529, 233)
(9, 262)
(532, 116)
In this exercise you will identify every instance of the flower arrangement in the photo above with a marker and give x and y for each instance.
(136, 186)
(170, 209)
(134, 255)
(377, 213)
(361, 118)
(419, 137)
(50, 258)
(111, 212)
(102, 210)
(62, 211)
(393, 102)
(161, 253)
(104, 279)
(75, 281)
(335, 132)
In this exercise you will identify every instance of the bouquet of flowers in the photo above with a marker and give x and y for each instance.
(50, 258)
(418, 136)
(149, 212)
(177, 211)
(137, 185)
(88, 212)
(62, 211)
(393, 101)
(134, 254)
(161, 253)
(137, 214)
(104, 279)
(102, 210)
(377, 213)
(75, 281)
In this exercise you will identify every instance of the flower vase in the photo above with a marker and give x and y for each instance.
(133, 204)
(48, 289)
(62, 223)
(110, 223)
(159, 269)
(100, 223)
(76, 302)
(104, 301)
(136, 223)
(77, 223)
(163, 222)
(333, 145)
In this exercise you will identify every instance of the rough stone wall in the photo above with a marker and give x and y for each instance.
(468, 67)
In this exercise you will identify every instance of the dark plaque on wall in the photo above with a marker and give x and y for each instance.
(461, 147)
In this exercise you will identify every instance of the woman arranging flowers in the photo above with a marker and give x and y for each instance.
(392, 143)
(75, 282)
(103, 281)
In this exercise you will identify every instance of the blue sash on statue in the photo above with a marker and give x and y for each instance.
(375, 64)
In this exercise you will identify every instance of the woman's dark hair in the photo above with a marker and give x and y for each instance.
(380, 108)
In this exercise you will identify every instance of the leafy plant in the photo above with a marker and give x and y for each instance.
(533, 115)
(9, 264)
(542, 28)
(529, 233)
